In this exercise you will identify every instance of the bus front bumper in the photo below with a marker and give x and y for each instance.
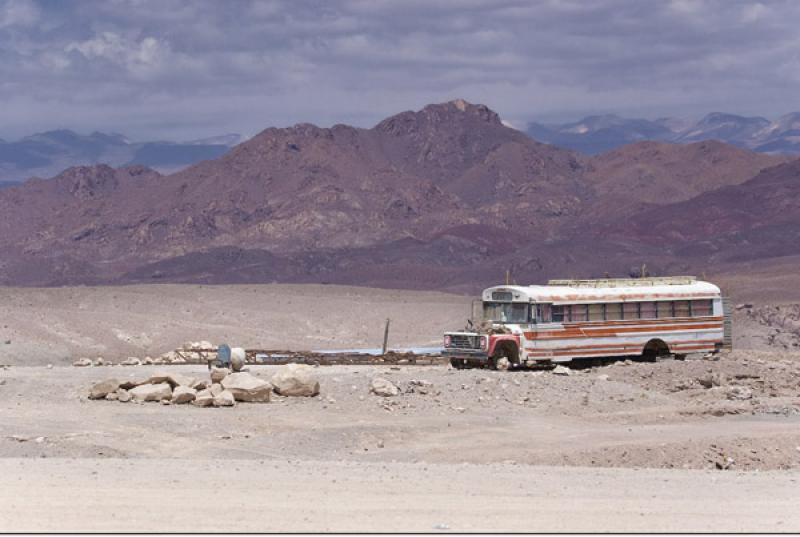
(466, 354)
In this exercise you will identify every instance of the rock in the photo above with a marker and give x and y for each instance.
(99, 362)
(205, 345)
(246, 387)
(203, 398)
(219, 373)
(561, 370)
(182, 395)
(383, 387)
(739, 393)
(710, 380)
(173, 379)
(201, 384)
(422, 383)
(113, 396)
(224, 398)
(147, 361)
(216, 389)
(602, 377)
(178, 360)
(131, 361)
(295, 380)
(151, 392)
(158, 361)
(237, 358)
(49, 366)
(83, 362)
(123, 396)
(101, 389)
(131, 383)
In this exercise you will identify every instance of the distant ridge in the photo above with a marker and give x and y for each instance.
(446, 197)
(597, 134)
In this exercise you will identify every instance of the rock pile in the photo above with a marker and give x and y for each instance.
(222, 389)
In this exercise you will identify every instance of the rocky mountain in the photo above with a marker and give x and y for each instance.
(663, 173)
(445, 197)
(597, 134)
(730, 128)
(46, 154)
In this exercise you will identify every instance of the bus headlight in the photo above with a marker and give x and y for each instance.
(484, 341)
(447, 341)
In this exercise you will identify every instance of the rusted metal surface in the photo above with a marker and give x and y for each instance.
(279, 357)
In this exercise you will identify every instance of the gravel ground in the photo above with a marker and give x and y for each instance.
(741, 412)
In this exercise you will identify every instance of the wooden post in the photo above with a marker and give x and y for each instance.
(385, 337)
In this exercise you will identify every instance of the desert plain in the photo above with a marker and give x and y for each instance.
(694, 445)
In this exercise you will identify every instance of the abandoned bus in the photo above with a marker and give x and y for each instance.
(569, 319)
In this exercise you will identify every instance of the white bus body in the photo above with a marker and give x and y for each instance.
(569, 319)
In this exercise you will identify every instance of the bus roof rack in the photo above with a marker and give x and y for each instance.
(626, 282)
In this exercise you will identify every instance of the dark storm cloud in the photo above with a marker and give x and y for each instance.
(182, 69)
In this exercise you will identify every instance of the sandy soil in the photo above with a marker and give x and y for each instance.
(695, 445)
(59, 325)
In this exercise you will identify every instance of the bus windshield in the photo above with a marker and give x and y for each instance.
(504, 312)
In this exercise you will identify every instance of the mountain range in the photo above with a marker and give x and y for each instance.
(446, 197)
(597, 134)
(48, 153)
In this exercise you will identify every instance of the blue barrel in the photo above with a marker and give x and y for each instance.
(224, 355)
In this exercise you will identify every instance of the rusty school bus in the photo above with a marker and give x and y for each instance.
(569, 319)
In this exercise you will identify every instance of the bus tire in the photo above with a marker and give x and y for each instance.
(457, 363)
(654, 350)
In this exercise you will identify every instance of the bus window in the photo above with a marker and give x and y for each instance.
(664, 309)
(557, 314)
(630, 310)
(648, 310)
(542, 313)
(596, 312)
(681, 308)
(701, 308)
(578, 313)
(613, 312)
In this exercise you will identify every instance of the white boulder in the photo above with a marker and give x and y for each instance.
(219, 373)
(224, 398)
(83, 362)
(238, 357)
(203, 398)
(246, 387)
(182, 395)
(151, 392)
(101, 389)
(295, 380)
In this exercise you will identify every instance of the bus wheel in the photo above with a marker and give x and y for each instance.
(457, 363)
(654, 350)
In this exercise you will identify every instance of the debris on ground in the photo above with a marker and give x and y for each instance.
(381, 386)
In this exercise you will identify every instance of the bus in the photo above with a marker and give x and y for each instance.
(573, 319)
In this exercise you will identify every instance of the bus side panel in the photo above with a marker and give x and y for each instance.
(563, 342)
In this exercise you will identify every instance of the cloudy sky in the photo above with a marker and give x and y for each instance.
(186, 69)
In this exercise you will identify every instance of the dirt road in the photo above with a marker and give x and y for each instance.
(270, 495)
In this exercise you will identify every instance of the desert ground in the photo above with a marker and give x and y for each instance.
(694, 445)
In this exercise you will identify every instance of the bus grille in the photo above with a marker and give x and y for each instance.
(461, 341)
